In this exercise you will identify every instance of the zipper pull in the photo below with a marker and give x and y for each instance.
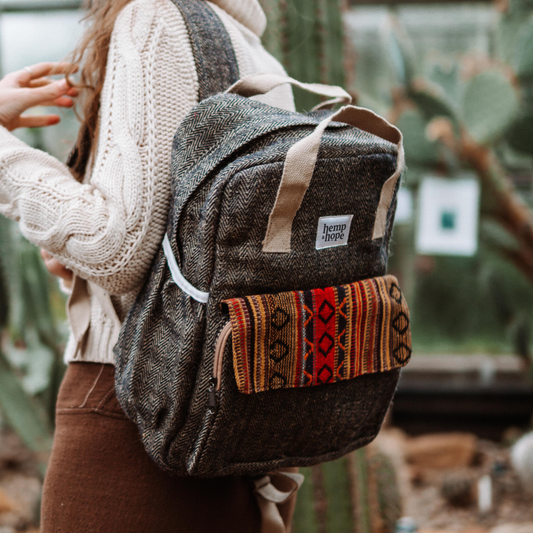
(212, 394)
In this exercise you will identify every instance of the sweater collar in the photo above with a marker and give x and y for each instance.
(247, 12)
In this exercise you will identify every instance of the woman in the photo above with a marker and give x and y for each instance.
(105, 226)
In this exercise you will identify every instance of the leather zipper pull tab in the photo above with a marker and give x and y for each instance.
(212, 394)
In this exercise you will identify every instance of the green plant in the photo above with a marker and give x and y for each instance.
(475, 117)
(307, 36)
(357, 493)
(474, 113)
(31, 364)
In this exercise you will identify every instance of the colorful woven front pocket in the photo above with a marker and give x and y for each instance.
(305, 338)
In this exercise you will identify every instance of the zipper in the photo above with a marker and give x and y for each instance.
(215, 381)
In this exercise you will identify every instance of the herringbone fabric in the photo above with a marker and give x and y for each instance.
(216, 64)
(227, 163)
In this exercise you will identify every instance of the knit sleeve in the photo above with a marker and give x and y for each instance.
(108, 229)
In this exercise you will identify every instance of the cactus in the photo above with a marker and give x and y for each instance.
(31, 353)
(457, 490)
(307, 36)
(489, 107)
(24, 414)
(489, 111)
(357, 493)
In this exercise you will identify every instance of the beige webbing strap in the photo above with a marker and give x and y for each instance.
(299, 168)
(79, 309)
(269, 496)
(104, 299)
(263, 83)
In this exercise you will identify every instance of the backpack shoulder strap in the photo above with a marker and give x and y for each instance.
(216, 63)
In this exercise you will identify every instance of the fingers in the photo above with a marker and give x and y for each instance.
(46, 69)
(37, 121)
(55, 267)
(62, 101)
(39, 82)
(25, 76)
(43, 82)
(47, 94)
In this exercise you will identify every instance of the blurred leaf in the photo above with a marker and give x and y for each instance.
(375, 104)
(34, 362)
(23, 414)
(419, 150)
(507, 33)
(447, 78)
(433, 105)
(496, 235)
(36, 291)
(524, 52)
(4, 298)
(520, 332)
(489, 106)
(526, 87)
(402, 53)
(520, 136)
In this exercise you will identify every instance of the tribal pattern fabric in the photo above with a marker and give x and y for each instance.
(305, 338)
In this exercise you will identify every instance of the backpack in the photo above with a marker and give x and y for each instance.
(267, 334)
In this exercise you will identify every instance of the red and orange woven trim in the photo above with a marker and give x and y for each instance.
(305, 338)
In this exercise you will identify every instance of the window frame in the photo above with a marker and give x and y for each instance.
(21, 6)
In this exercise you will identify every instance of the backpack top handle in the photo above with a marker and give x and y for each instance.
(302, 157)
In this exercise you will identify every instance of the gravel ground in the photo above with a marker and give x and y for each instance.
(20, 486)
(421, 488)
(20, 489)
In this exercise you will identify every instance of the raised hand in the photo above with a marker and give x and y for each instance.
(31, 87)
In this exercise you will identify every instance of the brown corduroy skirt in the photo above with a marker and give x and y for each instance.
(100, 479)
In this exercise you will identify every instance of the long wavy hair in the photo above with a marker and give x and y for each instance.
(91, 55)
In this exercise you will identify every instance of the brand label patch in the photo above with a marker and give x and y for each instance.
(333, 231)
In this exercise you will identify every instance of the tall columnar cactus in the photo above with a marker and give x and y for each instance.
(356, 494)
(307, 36)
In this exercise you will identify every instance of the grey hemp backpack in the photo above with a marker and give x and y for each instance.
(267, 334)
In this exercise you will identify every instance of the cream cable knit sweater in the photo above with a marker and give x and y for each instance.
(108, 229)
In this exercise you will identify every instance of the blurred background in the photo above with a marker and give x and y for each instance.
(457, 79)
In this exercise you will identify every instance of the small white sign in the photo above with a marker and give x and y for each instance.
(333, 231)
(448, 216)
